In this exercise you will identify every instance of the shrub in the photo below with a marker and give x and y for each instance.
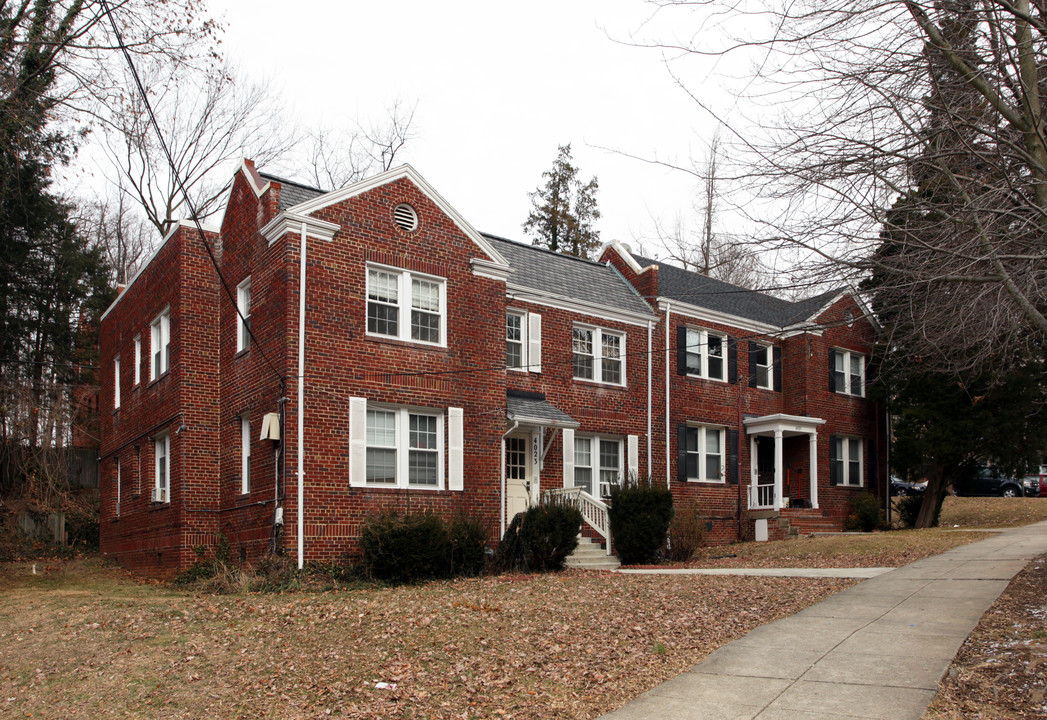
(866, 514)
(468, 539)
(909, 510)
(686, 532)
(541, 538)
(405, 548)
(640, 515)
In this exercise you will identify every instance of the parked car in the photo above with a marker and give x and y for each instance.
(901, 488)
(1036, 485)
(982, 480)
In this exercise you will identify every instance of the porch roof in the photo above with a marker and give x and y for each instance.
(533, 409)
(788, 424)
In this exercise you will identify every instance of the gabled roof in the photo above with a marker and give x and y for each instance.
(555, 275)
(291, 192)
(702, 291)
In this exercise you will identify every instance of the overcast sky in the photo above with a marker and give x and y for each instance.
(498, 87)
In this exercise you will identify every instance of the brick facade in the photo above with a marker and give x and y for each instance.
(213, 385)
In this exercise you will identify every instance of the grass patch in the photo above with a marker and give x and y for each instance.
(992, 512)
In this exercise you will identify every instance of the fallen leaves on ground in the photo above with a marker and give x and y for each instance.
(570, 645)
(1000, 672)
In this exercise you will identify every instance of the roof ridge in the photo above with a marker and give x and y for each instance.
(285, 181)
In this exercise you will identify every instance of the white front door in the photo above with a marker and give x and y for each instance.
(517, 474)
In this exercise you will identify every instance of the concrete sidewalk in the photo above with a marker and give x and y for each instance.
(876, 650)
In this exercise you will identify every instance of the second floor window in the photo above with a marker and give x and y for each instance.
(243, 316)
(705, 353)
(598, 355)
(847, 372)
(160, 344)
(406, 306)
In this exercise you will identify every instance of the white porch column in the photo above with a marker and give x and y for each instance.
(813, 474)
(754, 474)
(778, 470)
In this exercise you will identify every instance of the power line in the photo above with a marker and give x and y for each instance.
(181, 187)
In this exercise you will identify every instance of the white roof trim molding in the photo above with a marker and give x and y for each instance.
(854, 295)
(404, 171)
(627, 255)
(490, 269)
(254, 178)
(288, 221)
(152, 256)
(700, 314)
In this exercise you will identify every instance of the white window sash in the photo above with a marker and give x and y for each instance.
(404, 303)
(116, 382)
(597, 354)
(243, 315)
(401, 437)
(138, 360)
(245, 455)
(702, 453)
(701, 349)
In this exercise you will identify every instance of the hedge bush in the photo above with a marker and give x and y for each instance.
(866, 514)
(540, 539)
(468, 538)
(686, 532)
(640, 515)
(405, 548)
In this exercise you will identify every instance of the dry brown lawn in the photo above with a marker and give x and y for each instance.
(84, 641)
(992, 512)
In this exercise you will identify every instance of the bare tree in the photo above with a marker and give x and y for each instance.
(881, 100)
(209, 119)
(710, 251)
(338, 157)
(115, 226)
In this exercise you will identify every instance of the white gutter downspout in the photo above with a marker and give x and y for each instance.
(516, 424)
(668, 309)
(650, 357)
(301, 405)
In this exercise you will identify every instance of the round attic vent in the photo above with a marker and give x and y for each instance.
(405, 216)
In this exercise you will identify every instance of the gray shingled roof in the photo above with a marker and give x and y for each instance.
(568, 276)
(706, 292)
(292, 193)
(534, 411)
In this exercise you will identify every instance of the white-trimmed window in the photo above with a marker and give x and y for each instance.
(600, 458)
(847, 459)
(404, 448)
(116, 462)
(515, 340)
(406, 306)
(243, 317)
(705, 454)
(706, 354)
(598, 355)
(160, 344)
(138, 360)
(162, 468)
(116, 383)
(245, 454)
(523, 341)
(764, 363)
(848, 372)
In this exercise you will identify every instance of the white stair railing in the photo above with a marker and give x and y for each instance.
(594, 511)
(761, 496)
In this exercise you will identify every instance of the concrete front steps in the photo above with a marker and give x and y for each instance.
(591, 555)
(789, 523)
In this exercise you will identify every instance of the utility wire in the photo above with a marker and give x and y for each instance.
(181, 186)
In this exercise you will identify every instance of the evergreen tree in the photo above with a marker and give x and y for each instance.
(564, 210)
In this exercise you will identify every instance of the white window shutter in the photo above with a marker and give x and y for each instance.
(534, 342)
(455, 449)
(568, 457)
(633, 456)
(357, 442)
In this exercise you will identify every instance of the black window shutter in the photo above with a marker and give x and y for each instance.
(833, 480)
(732, 457)
(777, 369)
(681, 453)
(832, 371)
(870, 473)
(753, 347)
(681, 350)
(732, 360)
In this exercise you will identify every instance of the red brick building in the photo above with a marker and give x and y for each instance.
(366, 348)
